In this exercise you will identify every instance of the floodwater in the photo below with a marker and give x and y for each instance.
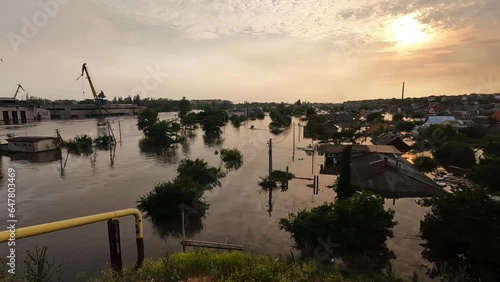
(238, 214)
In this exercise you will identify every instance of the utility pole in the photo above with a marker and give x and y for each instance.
(270, 192)
(293, 143)
(403, 92)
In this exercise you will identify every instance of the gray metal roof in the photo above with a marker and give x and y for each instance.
(438, 119)
(30, 138)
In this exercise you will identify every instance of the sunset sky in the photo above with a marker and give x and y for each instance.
(255, 50)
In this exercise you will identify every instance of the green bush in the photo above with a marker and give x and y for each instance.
(80, 144)
(425, 164)
(103, 142)
(233, 158)
(456, 154)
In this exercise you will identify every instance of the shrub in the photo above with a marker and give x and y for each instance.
(456, 154)
(425, 164)
(233, 158)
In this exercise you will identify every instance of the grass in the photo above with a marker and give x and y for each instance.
(209, 266)
(200, 266)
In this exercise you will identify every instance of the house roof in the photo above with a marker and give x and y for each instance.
(30, 138)
(330, 148)
(370, 130)
(493, 129)
(373, 173)
(496, 116)
(438, 108)
(438, 119)
(391, 139)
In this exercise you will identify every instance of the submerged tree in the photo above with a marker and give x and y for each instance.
(355, 230)
(343, 185)
(146, 119)
(279, 180)
(233, 158)
(461, 232)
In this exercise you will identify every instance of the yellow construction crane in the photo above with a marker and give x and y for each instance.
(17, 90)
(99, 98)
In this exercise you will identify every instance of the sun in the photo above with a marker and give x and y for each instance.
(407, 31)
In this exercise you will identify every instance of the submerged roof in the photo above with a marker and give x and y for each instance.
(30, 138)
(392, 177)
(387, 149)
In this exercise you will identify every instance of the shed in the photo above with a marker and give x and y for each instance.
(32, 144)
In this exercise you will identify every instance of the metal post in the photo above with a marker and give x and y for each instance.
(312, 163)
(183, 230)
(120, 130)
(115, 251)
(317, 184)
(293, 144)
(287, 177)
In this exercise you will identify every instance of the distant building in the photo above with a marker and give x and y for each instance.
(436, 109)
(32, 144)
(16, 112)
(496, 116)
(393, 139)
(493, 129)
(373, 128)
(438, 119)
(381, 170)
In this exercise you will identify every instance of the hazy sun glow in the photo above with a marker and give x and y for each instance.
(407, 31)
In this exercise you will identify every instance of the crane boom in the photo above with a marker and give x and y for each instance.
(86, 72)
(17, 90)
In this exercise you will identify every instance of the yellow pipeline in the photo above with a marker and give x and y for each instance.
(74, 222)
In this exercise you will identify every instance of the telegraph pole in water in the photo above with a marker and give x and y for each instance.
(293, 143)
(270, 192)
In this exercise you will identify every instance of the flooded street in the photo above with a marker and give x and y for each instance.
(238, 212)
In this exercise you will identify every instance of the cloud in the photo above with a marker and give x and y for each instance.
(443, 14)
(311, 19)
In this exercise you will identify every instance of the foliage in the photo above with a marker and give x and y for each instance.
(146, 119)
(237, 120)
(425, 164)
(343, 186)
(103, 142)
(36, 268)
(163, 133)
(397, 117)
(279, 180)
(475, 132)
(260, 115)
(317, 128)
(380, 130)
(189, 120)
(280, 117)
(492, 147)
(355, 229)
(310, 111)
(461, 233)
(203, 174)
(485, 173)
(80, 144)
(233, 158)
(373, 117)
(439, 134)
(456, 154)
(184, 107)
(211, 120)
(235, 266)
(406, 126)
(165, 201)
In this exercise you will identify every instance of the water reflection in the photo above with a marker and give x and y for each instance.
(163, 155)
(40, 157)
(192, 227)
(213, 140)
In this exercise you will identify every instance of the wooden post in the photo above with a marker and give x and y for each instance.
(270, 192)
(312, 164)
(114, 245)
(183, 230)
(120, 130)
(317, 184)
(287, 177)
(293, 143)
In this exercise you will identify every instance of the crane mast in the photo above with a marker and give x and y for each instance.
(99, 99)
(17, 90)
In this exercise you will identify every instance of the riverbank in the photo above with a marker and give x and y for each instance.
(207, 266)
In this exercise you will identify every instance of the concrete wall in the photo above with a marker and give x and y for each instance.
(83, 111)
(44, 114)
(30, 114)
(38, 146)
